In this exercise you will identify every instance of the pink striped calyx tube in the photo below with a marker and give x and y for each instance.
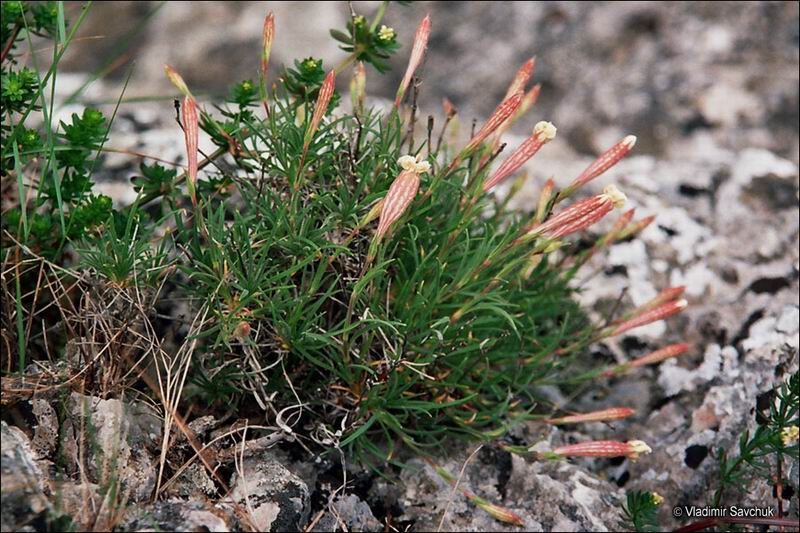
(191, 129)
(543, 133)
(506, 108)
(607, 159)
(580, 215)
(662, 354)
(614, 413)
(401, 192)
(655, 314)
(268, 35)
(604, 448)
(417, 53)
(321, 107)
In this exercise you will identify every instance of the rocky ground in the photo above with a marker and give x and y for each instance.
(712, 92)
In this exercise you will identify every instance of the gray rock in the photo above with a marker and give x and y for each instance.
(121, 442)
(45, 434)
(715, 406)
(24, 505)
(547, 496)
(194, 483)
(274, 498)
(348, 513)
(177, 516)
(567, 498)
(356, 514)
(88, 506)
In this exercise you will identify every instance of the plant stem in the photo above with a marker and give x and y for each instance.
(713, 522)
(204, 163)
(345, 62)
(10, 43)
(378, 16)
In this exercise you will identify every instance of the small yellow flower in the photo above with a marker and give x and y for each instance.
(790, 435)
(386, 33)
(246, 85)
(658, 499)
(360, 20)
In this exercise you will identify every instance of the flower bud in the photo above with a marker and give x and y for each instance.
(666, 295)
(401, 193)
(544, 200)
(607, 160)
(636, 227)
(658, 313)
(191, 129)
(417, 53)
(668, 352)
(542, 133)
(615, 413)
(580, 215)
(500, 114)
(594, 207)
(521, 77)
(528, 100)
(604, 448)
(242, 330)
(500, 513)
(268, 35)
(177, 80)
(323, 100)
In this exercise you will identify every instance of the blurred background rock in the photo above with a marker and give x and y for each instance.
(661, 70)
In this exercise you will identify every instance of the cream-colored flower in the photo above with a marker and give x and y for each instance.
(615, 195)
(638, 447)
(416, 165)
(423, 167)
(630, 141)
(545, 129)
(407, 162)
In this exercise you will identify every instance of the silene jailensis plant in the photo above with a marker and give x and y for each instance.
(347, 277)
(369, 291)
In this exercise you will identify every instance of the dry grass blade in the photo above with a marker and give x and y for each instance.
(455, 486)
(171, 384)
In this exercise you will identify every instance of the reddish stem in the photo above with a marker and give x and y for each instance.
(712, 522)
(10, 43)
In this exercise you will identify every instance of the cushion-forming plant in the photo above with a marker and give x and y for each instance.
(353, 279)
(366, 288)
